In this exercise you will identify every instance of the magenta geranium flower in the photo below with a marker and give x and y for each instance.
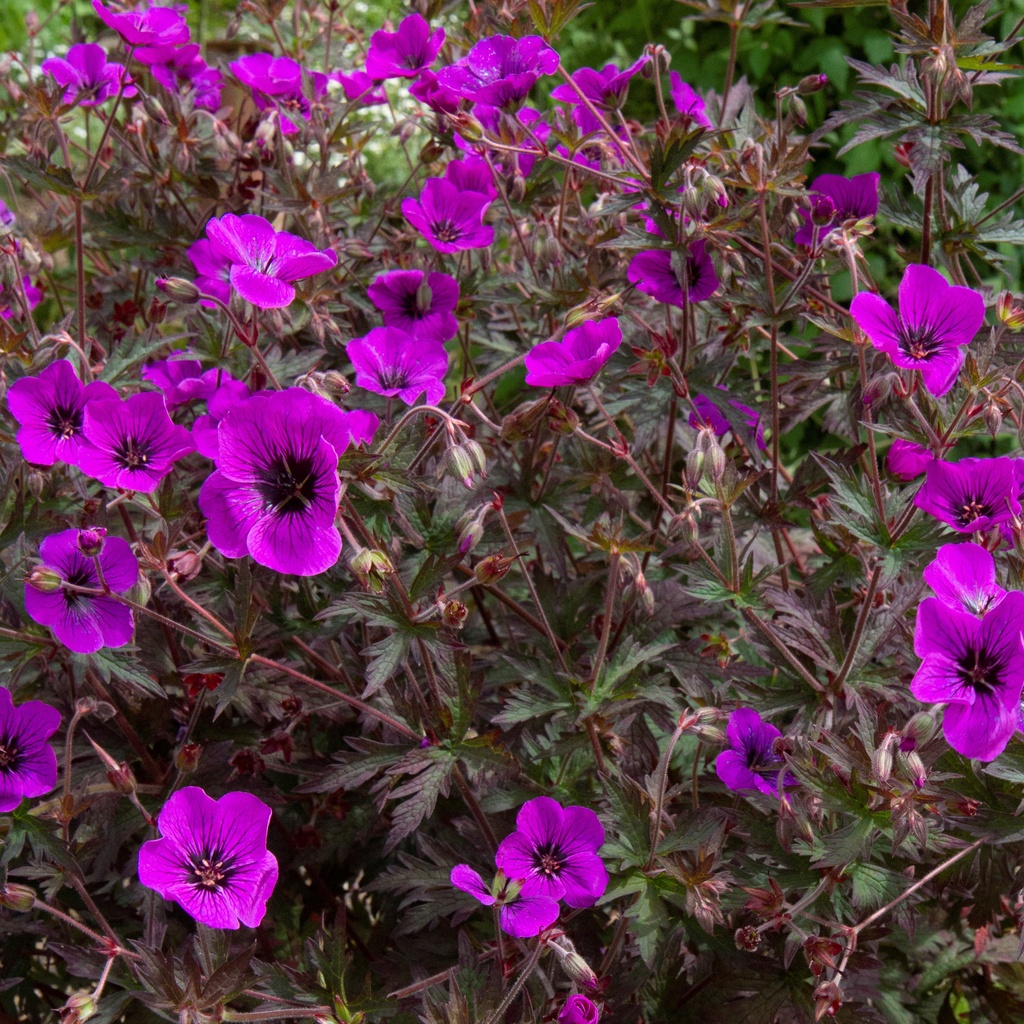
(851, 198)
(577, 358)
(390, 362)
(212, 857)
(448, 218)
(554, 852)
(688, 102)
(659, 273)
(472, 175)
(578, 1009)
(907, 460)
(706, 413)
(263, 262)
(976, 667)
(147, 26)
(429, 90)
(520, 914)
(132, 444)
(50, 409)
(275, 492)
(84, 622)
(181, 379)
(28, 765)
(33, 296)
(606, 89)
(357, 85)
(182, 71)
(972, 494)
(227, 393)
(751, 761)
(963, 577)
(86, 75)
(214, 270)
(936, 320)
(500, 71)
(404, 53)
(277, 82)
(419, 304)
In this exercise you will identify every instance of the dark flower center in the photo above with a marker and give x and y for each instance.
(82, 575)
(64, 421)
(288, 484)
(980, 671)
(547, 860)
(393, 378)
(446, 231)
(761, 759)
(131, 453)
(8, 753)
(918, 342)
(971, 509)
(210, 871)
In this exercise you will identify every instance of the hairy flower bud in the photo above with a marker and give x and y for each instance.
(90, 541)
(44, 579)
(561, 419)
(823, 210)
(811, 84)
(918, 731)
(460, 464)
(715, 462)
(881, 762)
(993, 417)
(180, 290)
(694, 471)
(17, 897)
(371, 567)
(916, 769)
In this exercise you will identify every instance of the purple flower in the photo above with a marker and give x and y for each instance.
(578, 1009)
(88, 79)
(751, 761)
(183, 72)
(277, 82)
(357, 85)
(554, 852)
(472, 175)
(520, 913)
(212, 857)
(963, 577)
(84, 622)
(707, 413)
(419, 304)
(181, 379)
(390, 362)
(32, 295)
(500, 71)
(227, 393)
(972, 494)
(28, 765)
(263, 261)
(448, 218)
(852, 198)
(275, 492)
(936, 320)
(606, 89)
(577, 358)
(976, 667)
(688, 102)
(214, 270)
(428, 89)
(132, 443)
(405, 52)
(907, 460)
(7, 218)
(153, 26)
(659, 273)
(50, 408)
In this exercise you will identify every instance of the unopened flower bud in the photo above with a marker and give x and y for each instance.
(694, 472)
(517, 190)
(44, 579)
(36, 483)
(698, 717)
(460, 464)
(122, 778)
(715, 462)
(579, 970)
(811, 84)
(372, 566)
(180, 290)
(17, 897)
(78, 1009)
(90, 541)
(1009, 312)
(467, 126)
(155, 110)
(798, 109)
(187, 759)
(492, 568)
(918, 731)
(561, 419)
(878, 389)
(881, 763)
(823, 210)
(993, 417)
(916, 769)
